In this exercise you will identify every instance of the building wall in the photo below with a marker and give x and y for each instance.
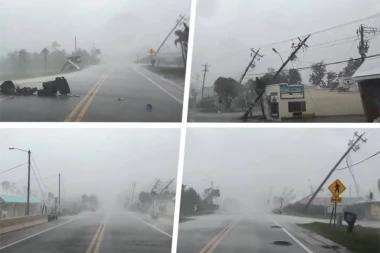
(319, 102)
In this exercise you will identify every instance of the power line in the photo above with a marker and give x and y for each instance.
(360, 161)
(327, 64)
(324, 30)
(38, 171)
(43, 195)
(1, 172)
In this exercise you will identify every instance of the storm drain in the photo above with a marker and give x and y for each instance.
(275, 227)
(283, 243)
(330, 247)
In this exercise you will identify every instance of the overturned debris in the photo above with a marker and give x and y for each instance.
(50, 88)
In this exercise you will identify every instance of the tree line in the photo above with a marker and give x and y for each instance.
(319, 77)
(193, 204)
(25, 61)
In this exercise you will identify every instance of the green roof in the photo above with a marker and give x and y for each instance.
(8, 199)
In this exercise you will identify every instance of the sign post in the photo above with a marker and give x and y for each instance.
(45, 52)
(336, 188)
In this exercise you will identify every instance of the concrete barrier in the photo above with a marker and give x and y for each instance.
(12, 224)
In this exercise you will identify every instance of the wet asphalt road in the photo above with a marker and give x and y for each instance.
(99, 89)
(92, 233)
(226, 233)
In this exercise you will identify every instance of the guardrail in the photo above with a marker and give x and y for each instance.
(12, 224)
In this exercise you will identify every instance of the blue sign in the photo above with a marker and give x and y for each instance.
(149, 107)
(292, 89)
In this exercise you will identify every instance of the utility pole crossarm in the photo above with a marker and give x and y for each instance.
(250, 64)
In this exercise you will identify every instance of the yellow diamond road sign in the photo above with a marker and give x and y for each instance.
(335, 199)
(337, 188)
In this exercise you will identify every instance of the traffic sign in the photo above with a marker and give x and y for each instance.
(336, 199)
(151, 51)
(337, 188)
(44, 51)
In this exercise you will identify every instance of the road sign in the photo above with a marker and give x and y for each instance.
(44, 51)
(151, 51)
(336, 199)
(337, 188)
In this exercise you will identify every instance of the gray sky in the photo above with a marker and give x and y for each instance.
(114, 26)
(99, 161)
(245, 163)
(226, 30)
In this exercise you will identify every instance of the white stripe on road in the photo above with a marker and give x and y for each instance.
(291, 236)
(6, 98)
(158, 86)
(36, 234)
(152, 226)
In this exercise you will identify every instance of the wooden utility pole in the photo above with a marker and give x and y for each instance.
(178, 22)
(358, 138)
(363, 45)
(204, 77)
(133, 190)
(250, 63)
(59, 193)
(292, 55)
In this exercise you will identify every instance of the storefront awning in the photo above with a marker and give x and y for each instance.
(370, 69)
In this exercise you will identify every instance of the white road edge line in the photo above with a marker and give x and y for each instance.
(6, 98)
(291, 236)
(13, 243)
(152, 226)
(158, 86)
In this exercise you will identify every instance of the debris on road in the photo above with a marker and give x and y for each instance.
(50, 88)
(120, 99)
(149, 107)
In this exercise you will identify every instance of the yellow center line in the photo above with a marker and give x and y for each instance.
(76, 109)
(87, 105)
(215, 241)
(215, 244)
(98, 234)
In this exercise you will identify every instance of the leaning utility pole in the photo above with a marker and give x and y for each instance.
(75, 44)
(133, 190)
(167, 186)
(204, 76)
(353, 144)
(291, 57)
(250, 63)
(178, 22)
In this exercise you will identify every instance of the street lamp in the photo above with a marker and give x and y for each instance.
(27, 201)
(278, 54)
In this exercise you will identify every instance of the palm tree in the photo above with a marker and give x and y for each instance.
(55, 45)
(183, 38)
(6, 185)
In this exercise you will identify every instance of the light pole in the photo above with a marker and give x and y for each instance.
(27, 201)
(278, 54)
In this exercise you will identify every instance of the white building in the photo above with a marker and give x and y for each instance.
(283, 101)
(368, 77)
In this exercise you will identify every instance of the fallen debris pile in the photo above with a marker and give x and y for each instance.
(50, 88)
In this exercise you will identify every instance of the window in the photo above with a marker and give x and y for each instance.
(297, 106)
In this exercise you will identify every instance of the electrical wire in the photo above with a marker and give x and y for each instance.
(360, 161)
(1, 172)
(43, 195)
(38, 171)
(327, 64)
(324, 30)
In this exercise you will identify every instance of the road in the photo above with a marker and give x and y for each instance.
(105, 95)
(254, 232)
(92, 233)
